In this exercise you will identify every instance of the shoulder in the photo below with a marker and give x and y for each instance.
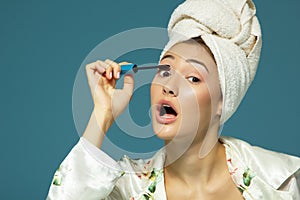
(142, 165)
(273, 167)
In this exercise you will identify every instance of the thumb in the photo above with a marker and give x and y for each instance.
(128, 84)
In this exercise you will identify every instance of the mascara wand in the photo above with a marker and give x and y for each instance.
(128, 67)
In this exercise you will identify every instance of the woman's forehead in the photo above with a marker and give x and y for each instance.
(193, 63)
(191, 51)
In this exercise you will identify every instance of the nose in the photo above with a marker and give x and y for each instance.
(167, 91)
(170, 87)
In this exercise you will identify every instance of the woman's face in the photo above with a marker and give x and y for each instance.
(186, 100)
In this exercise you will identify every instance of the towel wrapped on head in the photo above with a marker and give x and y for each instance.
(232, 32)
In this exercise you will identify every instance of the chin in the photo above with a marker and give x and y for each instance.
(165, 131)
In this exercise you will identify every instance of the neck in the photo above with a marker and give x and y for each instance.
(195, 165)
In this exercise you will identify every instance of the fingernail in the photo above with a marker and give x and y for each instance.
(110, 75)
(118, 74)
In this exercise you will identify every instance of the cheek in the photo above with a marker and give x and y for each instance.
(196, 104)
(154, 89)
(215, 96)
(201, 96)
(204, 99)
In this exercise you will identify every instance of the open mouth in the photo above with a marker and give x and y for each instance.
(166, 113)
(166, 109)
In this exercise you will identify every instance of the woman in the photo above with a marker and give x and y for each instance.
(213, 53)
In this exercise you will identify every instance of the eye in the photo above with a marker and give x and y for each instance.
(193, 79)
(164, 73)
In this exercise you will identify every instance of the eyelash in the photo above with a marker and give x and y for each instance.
(167, 73)
(162, 73)
(193, 79)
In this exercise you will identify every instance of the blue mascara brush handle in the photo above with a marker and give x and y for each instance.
(128, 67)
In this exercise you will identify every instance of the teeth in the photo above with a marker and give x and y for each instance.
(167, 109)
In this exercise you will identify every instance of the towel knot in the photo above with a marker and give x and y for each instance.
(232, 19)
(232, 32)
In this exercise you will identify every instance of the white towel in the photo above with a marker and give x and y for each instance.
(232, 32)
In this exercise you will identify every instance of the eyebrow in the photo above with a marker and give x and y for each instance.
(187, 60)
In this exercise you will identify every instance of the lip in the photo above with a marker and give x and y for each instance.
(166, 119)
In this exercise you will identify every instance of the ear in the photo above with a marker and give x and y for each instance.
(220, 106)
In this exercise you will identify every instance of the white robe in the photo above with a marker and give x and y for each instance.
(88, 173)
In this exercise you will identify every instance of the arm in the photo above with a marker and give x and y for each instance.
(109, 102)
(87, 172)
(84, 174)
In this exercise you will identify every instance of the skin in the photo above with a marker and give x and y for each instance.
(190, 172)
(102, 76)
(194, 91)
(189, 176)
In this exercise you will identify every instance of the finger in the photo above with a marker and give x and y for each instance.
(90, 68)
(128, 84)
(92, 77)
(123, 63)
(115, 68)
(100, 66)
(108, 72)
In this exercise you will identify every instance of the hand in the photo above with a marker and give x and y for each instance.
(108, 101)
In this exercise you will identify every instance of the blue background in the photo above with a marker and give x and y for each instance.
(43, 43)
